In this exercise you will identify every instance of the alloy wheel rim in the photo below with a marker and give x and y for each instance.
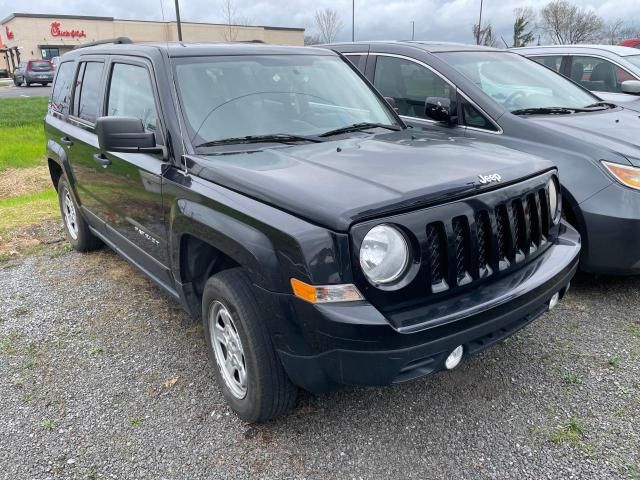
(228, 350)
(70, 215)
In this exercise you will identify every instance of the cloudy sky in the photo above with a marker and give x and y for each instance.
(448, 20)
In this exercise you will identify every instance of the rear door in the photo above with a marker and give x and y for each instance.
(80, 138)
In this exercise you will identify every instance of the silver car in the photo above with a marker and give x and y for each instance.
(611, 72)
(34, 71)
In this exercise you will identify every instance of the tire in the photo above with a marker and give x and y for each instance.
(28, 84)
(268, 391)
(75, 226)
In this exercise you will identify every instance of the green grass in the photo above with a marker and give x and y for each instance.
(22, 111)
(22, 141)
(570, 432)
(28, 209)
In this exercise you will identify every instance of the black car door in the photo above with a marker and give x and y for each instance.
(130, 188)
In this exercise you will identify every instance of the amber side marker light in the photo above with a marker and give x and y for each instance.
(325, 293)
(629, 176)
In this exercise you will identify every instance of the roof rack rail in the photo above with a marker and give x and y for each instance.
(115, 41)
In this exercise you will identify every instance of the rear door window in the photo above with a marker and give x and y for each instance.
(61, 94)
(88, 91)
(409, 84)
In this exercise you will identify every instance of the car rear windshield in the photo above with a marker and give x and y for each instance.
(40, 66)
(516, 82)
(237, 96)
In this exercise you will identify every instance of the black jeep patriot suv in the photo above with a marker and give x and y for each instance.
(275, 194)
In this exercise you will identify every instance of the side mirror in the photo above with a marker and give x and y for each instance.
(392, 103)
(440, 109)
(125, 134)
(631, 86)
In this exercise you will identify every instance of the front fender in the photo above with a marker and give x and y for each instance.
(272, 245)
(239, 241)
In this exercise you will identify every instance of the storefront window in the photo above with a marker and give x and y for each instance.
(49, 53)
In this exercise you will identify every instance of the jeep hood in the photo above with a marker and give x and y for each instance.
(338, 183)
(617, 130)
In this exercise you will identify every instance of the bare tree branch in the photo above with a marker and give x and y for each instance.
(232, 20)
(486, 36)
(328, 23)
(566, 23)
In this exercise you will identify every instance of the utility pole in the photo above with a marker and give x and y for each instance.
(413, 29)
(479, 25)
(178, 21)
(353, 20)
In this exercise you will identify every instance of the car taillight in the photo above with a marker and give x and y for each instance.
(28, 69)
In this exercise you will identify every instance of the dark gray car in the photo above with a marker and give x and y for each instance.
(34, 71)
(504, 98)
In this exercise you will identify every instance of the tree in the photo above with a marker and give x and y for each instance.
(313, 39)
(486, 36)
(611, 32)
(232, 20)
(328, 23)
(523, 27)
(566, 24)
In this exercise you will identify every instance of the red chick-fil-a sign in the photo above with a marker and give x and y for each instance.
(56, 31)
(9, 33)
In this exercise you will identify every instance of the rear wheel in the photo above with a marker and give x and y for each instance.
(75, 226)
(245, 362)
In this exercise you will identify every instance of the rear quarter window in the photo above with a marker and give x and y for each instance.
(61, 93)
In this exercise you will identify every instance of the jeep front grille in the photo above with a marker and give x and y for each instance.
(489, 241)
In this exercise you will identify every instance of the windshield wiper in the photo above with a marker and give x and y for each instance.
(545, 111)
(602, 104)
(272, 138)
(356, 127)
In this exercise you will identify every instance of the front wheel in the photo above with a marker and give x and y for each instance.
(75, 226)
(240, 350)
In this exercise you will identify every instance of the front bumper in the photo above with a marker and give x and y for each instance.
(354, 344)
(611, 222)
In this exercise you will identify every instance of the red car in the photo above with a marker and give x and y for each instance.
(631, 42)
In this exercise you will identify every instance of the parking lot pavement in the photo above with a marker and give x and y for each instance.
(10, 90)
(99, 379)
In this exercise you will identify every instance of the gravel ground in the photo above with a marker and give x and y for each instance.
(99, 378)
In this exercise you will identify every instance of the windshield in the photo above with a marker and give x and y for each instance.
(518, 83)
(634, 59)
(239, 96)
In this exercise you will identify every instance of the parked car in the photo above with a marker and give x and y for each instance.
(281, 200)
(34, 71)
(4, 73)
(631, 42)
(611, 72)
(503, 98)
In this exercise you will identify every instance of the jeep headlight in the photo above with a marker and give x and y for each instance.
(384, 255)
(554, 200)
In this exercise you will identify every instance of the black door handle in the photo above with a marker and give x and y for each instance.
(66, 141)
(102, 160)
